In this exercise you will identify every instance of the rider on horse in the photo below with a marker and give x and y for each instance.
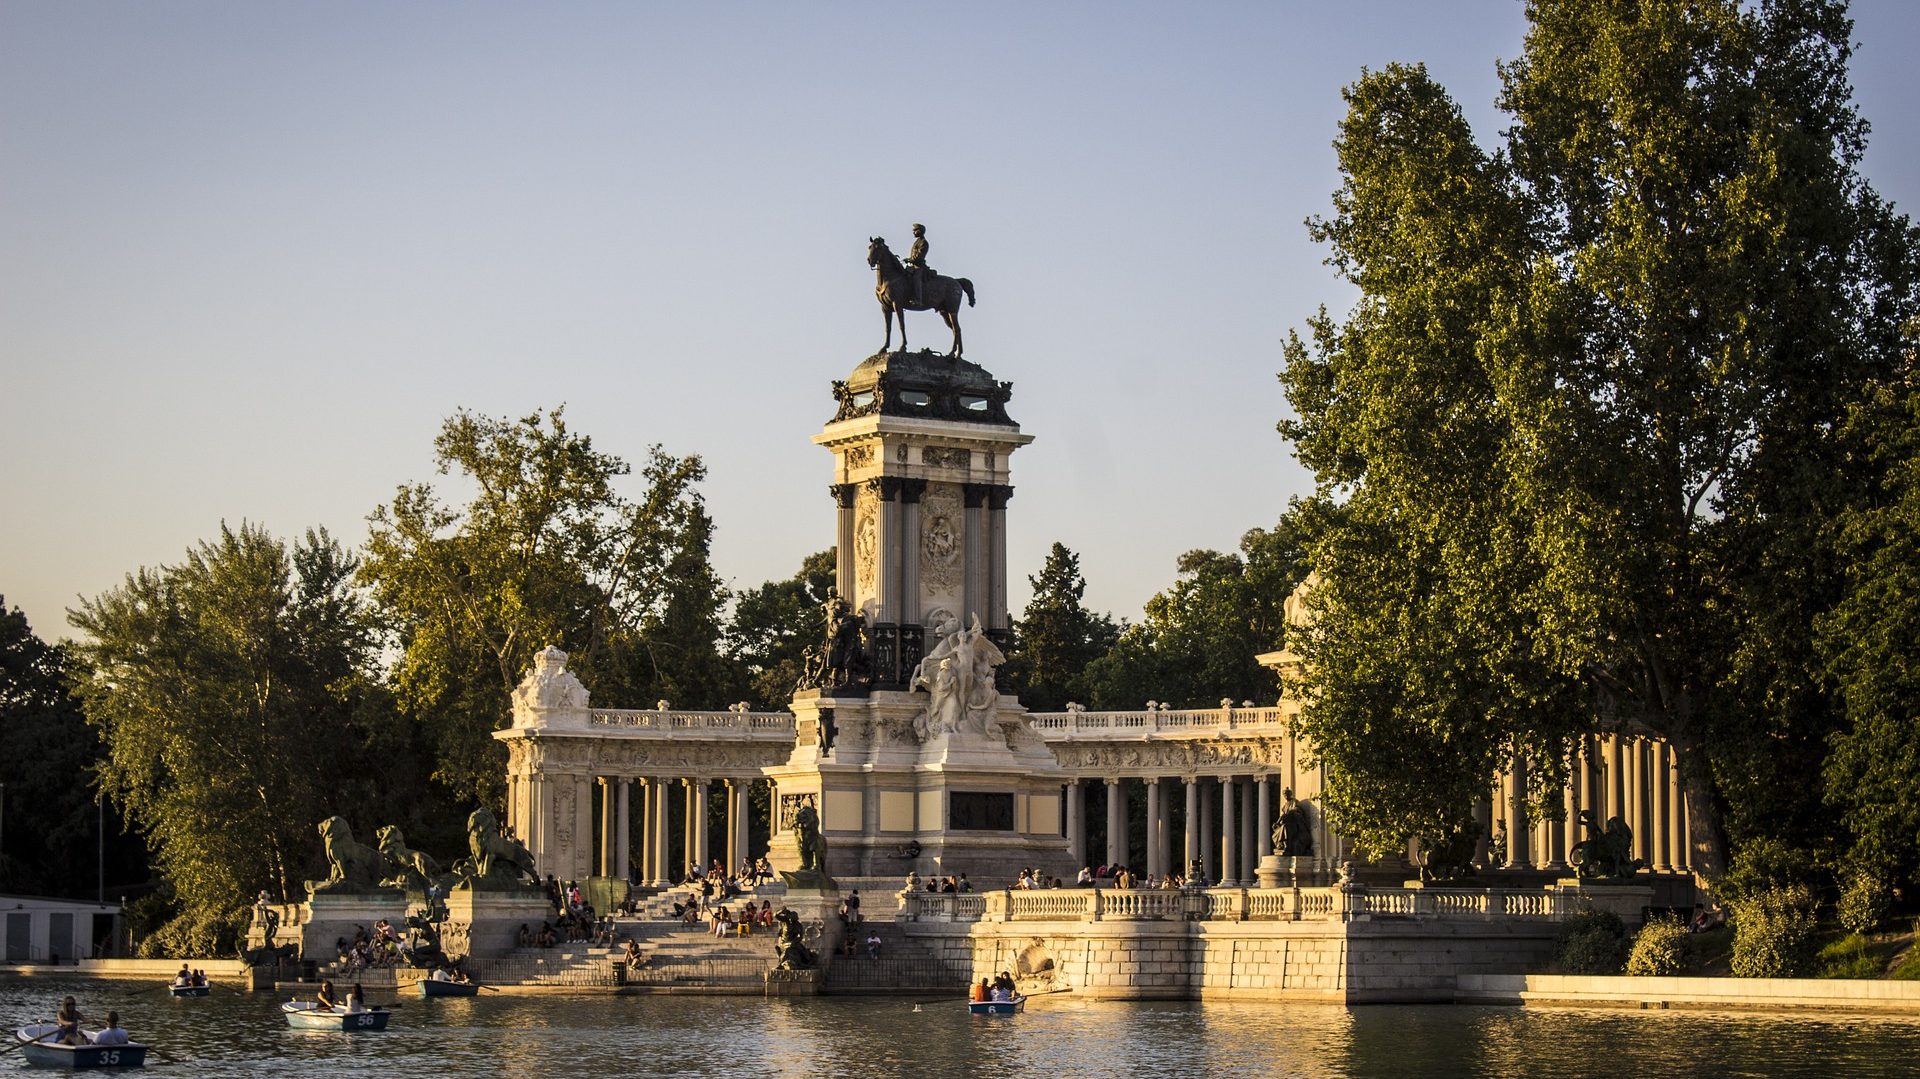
(916, 263)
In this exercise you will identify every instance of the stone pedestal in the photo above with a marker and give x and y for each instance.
(487, 924)
(330, 916)
(981, 802)
(1628, 901)
(794, 983)
(1274, 872)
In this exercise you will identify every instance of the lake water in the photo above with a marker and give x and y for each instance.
(235, 1034)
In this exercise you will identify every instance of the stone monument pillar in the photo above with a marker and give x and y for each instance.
(907, 746)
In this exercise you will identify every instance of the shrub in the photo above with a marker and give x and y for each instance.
(1763, 864)
(1773, 932)
(1659, 949)
(1852, 956)
(1592, 942)
(1864, 902)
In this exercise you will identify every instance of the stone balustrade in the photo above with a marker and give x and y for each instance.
(1240, 904)
(756, 726)
(1163, 721)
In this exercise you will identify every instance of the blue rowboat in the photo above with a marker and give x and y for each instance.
(47, 1054)
(431, 988)
(307, 1015)
(998, 1007)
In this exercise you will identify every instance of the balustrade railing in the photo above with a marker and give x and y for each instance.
(1066, 725)
(1235, 904)
(757, 725)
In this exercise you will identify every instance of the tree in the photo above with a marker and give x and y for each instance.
(1198, 641)
(1056, 639)
(234, 695)
(774, 624)
(547, 552)
(48, 758)
(1591, 382)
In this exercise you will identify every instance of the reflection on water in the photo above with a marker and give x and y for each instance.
(235, 1034)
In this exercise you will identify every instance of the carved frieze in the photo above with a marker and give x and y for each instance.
(946, 457)
(860, 456)
(866, 543)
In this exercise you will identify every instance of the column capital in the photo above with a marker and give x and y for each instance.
(843, 494)
(911, 489)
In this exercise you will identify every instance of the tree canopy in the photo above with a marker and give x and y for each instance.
(547, 551)
(1056, 639)
(1584, 414)
(235, 696)
(774, 624)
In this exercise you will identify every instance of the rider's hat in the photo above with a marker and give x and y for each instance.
(918, 227)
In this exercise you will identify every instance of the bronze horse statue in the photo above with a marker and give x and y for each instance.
(894, 287)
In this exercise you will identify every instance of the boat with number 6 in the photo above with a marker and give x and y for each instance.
(998, 1007)
(51, 1054)
(308, 1015)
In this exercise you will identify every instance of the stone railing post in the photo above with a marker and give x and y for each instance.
(998, 906)
(1096, 903)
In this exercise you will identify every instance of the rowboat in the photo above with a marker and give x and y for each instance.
(307, 1015)
(47, 1054)
(189, 990)
(431, 988)
(998, 1007)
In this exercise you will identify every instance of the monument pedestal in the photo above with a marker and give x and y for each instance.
(894, 795)
(486, 924)
(1627, 900)
(329, 917)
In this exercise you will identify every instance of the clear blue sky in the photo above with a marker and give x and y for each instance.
(251, 254)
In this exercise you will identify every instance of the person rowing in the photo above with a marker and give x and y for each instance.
(325, 997)
(68, 1020)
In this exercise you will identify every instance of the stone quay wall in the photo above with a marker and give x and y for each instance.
(1336, 946)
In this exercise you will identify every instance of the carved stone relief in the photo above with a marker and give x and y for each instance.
(866, 543)
(942, 533)
(946, 456)
(859, 456)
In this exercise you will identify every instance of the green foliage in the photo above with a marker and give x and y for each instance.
(1764, 864)
(1865, 902)
(234, 695)
(1853, 956)
(197, 932)
(774, 624)
(546, 552)
(48, 757)
(1592, 942)
(1057, 639)
(1199, 638)
(1773, 932)
(1584, 405)
(1659, 949)
(1867, 642)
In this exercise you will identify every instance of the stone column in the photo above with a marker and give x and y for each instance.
(1483, 825)
(623, 834)
(843, 495)
(1076, 822)
(702, 829)
(1676, 815)
(603, 865)
(1643, 830)
(1116, 822)
(663, 871)
(974, 577)
(1616, 780)
(1264, 796)
(996, 616)
(1249, 842)
(1155, 826)
(1229, 844)
(1193, 845)
(1662, 809)
(1209, 844)
(731, 849)
(689, 856)
(1519, 856)
(1569, 812)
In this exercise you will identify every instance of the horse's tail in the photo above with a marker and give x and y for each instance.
(966, 286)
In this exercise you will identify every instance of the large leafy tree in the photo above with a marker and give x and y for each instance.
(48, 758)
(774, 624)
(1198, 640)
(1590, 386)
(547, 551)
(235, 698)
(1057, 638)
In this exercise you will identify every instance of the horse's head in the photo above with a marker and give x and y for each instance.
(877, 251)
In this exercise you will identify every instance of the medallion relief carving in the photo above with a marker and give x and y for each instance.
(941, 536)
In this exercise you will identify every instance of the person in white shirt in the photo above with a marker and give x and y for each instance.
(112, 1035)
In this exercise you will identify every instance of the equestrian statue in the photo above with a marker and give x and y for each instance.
(913, 286)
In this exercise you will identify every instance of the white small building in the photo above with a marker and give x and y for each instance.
(43, 930)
